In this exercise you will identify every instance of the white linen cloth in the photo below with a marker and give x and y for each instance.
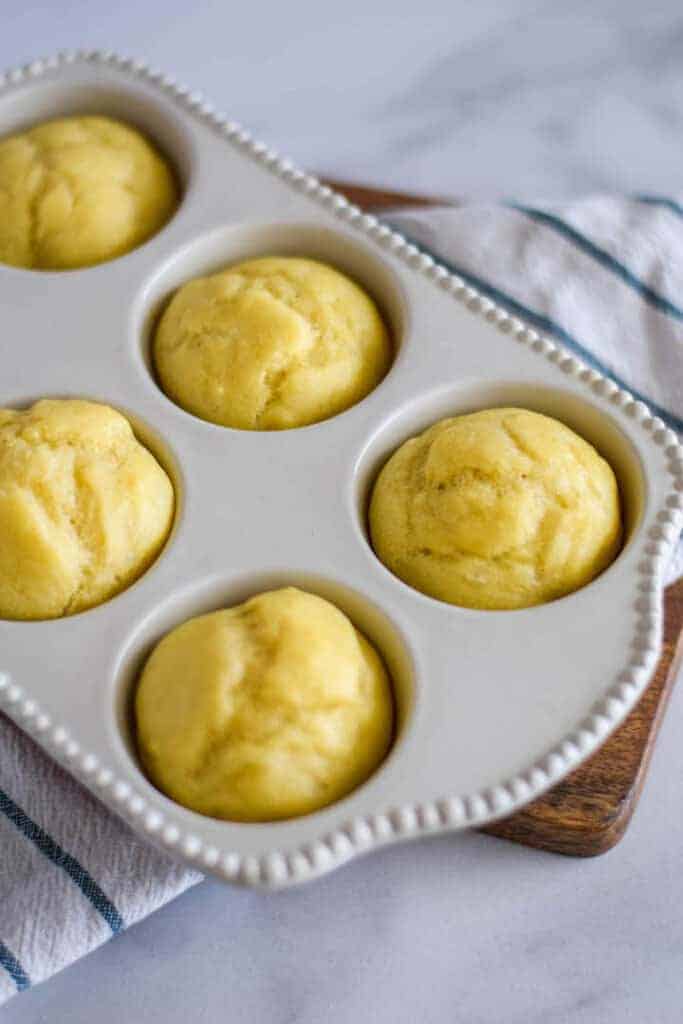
(604, 277)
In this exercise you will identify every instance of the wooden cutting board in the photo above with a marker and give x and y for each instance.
(590, 811)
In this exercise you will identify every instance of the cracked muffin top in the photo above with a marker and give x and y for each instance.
(84, 508)
(263, 711)
(78, 191)
(502, 508)
(270, 344)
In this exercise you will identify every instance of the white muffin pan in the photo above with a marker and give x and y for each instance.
(494, 707)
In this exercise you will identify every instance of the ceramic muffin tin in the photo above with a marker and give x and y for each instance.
(494, 707)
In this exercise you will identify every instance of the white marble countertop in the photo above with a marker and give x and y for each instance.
(530, 98)
(522, 98)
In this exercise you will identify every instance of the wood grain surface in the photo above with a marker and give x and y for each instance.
(590, 810)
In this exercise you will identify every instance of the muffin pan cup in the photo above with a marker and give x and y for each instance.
(493, 707)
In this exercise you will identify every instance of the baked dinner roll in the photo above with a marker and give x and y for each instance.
(267, 710)
(270, 344)
(78, 191)
(503, 508)
(84, 508)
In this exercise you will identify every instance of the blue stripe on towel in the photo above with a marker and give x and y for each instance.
(603, 257)
(548, 326)
(54, 852)
(668, 204)
(14, 968)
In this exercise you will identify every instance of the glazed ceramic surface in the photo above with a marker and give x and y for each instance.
(494, 707)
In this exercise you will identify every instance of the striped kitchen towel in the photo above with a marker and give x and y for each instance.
(602, 276)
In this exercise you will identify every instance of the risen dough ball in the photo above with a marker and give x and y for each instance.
(498, 509)
(270, 344)
(84, 508)
(78, 191)
(267, 710)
